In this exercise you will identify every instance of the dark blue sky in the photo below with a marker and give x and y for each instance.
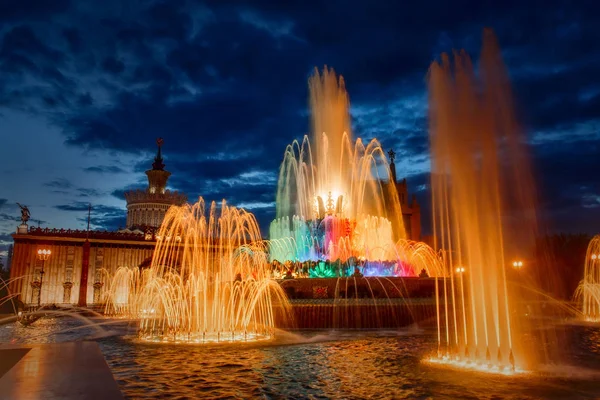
(86, 87)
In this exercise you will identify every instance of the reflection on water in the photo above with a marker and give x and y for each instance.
(356, 366)
(339, 365)
(61, 329)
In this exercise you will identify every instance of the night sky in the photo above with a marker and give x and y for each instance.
(86, 88)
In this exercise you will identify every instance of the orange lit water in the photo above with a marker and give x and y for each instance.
(589, 288)
(480, 177)
(209, 279)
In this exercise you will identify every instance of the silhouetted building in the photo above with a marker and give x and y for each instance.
(411, 211)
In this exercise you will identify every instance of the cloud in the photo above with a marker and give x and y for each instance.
(73, 207)
(64, 187)
(31, 9)
(8, 217)
(87, 192)
(60, 183)
(4, 238)
(226, 85)
(120, 193)
(567, 202)
(253, 165)
(102, 217)
(105, 169)
(113, 66)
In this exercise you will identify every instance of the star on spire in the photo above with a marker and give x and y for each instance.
(158, 160)
(392, 155)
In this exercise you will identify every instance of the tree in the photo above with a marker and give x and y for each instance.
(560, 261)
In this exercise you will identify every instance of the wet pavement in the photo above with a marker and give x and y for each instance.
(74, 370)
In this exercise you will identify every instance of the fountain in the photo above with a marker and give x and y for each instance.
(589, 288)
(480, 174)
(336, 199)
(209, 280)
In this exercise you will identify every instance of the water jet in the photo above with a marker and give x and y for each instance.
(213, 284)
(479, 174)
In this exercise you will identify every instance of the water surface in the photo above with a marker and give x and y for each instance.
(317, 365)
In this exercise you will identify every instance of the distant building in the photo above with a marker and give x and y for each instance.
(80, 261)
(411, 210)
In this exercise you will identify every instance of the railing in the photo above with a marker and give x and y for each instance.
(82, 234)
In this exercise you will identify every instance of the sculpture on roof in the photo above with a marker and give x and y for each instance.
(25, 214)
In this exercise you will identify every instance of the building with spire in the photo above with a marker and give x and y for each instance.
(411, 210)
(79, 262)
(146, 209)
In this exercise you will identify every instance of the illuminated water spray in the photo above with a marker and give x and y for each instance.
(335, 200)
(589, 288)
(479, 173)
(209, 280)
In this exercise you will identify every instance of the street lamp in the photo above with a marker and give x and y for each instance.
(517, 264)
(43, 255)
(460, 270)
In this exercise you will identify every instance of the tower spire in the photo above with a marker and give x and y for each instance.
(392, 155)
(158, 164)
(146, 209)
(157, 176)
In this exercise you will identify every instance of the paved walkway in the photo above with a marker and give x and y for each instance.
(74, 370)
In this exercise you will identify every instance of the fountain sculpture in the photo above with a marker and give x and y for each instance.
(589, 288)
(209, 280)
(479, 174)
(336, 200)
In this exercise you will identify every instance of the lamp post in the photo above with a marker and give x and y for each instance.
(43, 255)
(518, 264)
